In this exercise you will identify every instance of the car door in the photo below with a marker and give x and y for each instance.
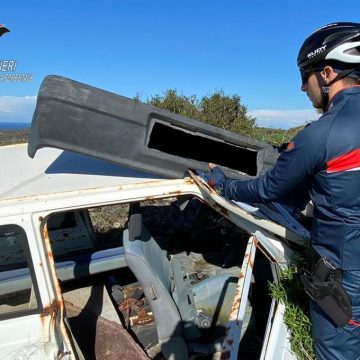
(31, 313)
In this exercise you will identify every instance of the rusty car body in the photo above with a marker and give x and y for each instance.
(68, 292)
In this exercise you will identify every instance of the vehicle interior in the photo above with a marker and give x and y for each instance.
(160, 274)
(184, 262)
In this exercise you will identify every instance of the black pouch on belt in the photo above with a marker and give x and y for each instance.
(323, 285)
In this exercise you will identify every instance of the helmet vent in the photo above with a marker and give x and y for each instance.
(354, 51)
(340, 36)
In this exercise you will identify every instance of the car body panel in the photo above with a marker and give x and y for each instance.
(34, 328)
(77, 117)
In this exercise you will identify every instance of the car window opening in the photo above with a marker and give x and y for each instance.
(184, 143)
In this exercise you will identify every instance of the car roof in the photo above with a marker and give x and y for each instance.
(57, 171)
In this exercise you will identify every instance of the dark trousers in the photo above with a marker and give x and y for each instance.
(331, 342)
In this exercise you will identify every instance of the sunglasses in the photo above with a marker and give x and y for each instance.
(305, 74)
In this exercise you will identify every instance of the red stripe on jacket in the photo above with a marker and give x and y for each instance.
(348, 161)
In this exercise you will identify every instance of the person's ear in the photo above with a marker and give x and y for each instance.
(328, 74)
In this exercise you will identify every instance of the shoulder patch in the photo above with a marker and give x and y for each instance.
(290, 146)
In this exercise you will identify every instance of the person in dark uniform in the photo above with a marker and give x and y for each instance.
(322, 163)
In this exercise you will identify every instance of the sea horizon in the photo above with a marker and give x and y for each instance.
(12, 125)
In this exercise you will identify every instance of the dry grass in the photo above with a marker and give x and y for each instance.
(8, 137)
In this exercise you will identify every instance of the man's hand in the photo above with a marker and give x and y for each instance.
(215, 177)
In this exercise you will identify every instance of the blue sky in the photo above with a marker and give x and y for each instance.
(134, 47)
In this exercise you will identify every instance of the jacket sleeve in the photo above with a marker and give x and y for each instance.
(289, 181)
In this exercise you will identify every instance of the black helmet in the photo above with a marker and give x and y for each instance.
(337, 45)
(339, 42)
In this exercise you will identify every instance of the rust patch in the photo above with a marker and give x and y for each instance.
(47, 242)
(46, 234)
(235, 305)
(50, 256)
(150, 198)
(169, 194)
(51, 311)
(174, 193)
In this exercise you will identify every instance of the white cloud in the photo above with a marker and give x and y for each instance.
(17, 108)
(284, 119)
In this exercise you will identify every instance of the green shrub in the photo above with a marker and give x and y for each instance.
(289, 290)
(218, 109)
(223, 111)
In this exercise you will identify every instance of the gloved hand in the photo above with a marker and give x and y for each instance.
(215, 177)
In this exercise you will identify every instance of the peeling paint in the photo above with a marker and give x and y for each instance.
(232, 338)
(174, 193)
(56, 308)
(51, 310)
(47, 243)
(189, 181)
